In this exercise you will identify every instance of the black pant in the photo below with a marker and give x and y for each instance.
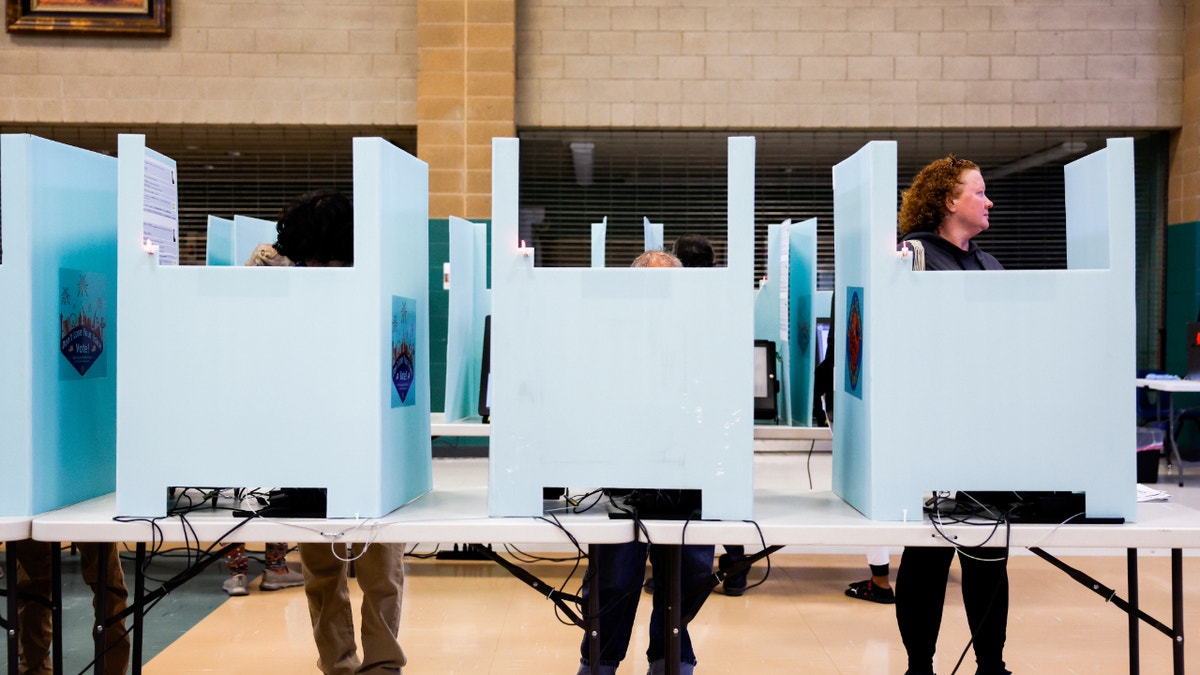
(921, 593)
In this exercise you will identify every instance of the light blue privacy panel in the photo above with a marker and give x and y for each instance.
(766, 308)
(469, 304)
(599, 236)
(800, 361)
(652, 234)
(824, 304)
(280, 377)
(944, 380)
(219, 245)
(784, 314)
(620, 377)
(58, 364)
(248, 233)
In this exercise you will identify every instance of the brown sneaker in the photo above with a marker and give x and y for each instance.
(274, 581)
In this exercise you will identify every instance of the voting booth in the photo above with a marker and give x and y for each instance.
(270, 376)
(621, 377)
(58, 363)
(469, 304)
(785, 314)
(1003, 380)
(230, 242)
(219, 242)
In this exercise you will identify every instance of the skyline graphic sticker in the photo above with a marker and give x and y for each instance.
(404, 351)
(82, 321)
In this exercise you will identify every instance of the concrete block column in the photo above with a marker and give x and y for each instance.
(466, 81)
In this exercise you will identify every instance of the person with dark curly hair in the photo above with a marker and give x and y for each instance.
(694, 250)
(317, 230)
(944, 209)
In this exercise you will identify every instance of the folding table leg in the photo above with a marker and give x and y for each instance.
(10, 616)
(673, 625)
(101, 607)
(139, 605)
(593, 612)
(1134, 624)
(1177, 608)
(56, 605)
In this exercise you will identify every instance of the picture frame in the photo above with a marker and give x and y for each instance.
(89, 17)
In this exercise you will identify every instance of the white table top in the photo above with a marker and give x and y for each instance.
(443, 515)
(475, 427)
(786, 512)
(823, 519)
(469, 426)
(14, 528)
(1169, 385)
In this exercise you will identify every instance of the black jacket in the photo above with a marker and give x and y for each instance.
(941, 255)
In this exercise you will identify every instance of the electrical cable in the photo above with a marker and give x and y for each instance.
(945, 510)
(412, 553)
(812, 445)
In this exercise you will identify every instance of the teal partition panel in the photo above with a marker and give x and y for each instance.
(944, 379)
(470, 303)
(58, 362)
(439, 302)
(784, 313)
(800, 361)
(280, 377)
(248, 233)
(639, 378)
(219, 244)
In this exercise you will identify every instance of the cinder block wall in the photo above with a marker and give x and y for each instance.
(262, 62)
(465, 94)
(1183, 199)
(849, 63)
(482, 68)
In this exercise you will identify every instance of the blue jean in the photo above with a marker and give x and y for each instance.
(622, 569)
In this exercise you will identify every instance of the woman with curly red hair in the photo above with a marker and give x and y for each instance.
(941, 212)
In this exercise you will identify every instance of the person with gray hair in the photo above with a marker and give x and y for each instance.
(622, 568)
(656, 258)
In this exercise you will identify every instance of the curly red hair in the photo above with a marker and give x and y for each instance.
(923, 205)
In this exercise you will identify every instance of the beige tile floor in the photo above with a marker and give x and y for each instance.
(472, 617)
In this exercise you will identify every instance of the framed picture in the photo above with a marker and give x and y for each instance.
(90, 17)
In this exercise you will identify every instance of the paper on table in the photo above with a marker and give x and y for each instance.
(1149, 494)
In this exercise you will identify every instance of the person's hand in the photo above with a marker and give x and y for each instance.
(265, 255)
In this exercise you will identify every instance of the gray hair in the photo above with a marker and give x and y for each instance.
(656, 258)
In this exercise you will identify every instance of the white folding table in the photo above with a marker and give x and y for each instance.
(787, 513)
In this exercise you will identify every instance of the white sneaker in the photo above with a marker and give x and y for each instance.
(273, 581)
(235, 585)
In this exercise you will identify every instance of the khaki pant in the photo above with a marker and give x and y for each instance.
(34, 618)
(380, 574)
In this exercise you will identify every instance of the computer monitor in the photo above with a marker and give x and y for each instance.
(822, 336)
(485, 375)
(766, 385)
